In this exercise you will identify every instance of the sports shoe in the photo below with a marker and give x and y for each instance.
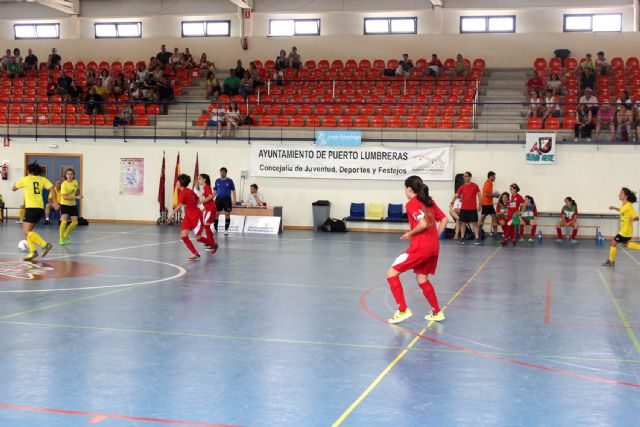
(531, 240)
(399, 316)
(226, 232)
(195, 257)
(214, 249)
(46, 249)
(574, 242)
(62, 242)
(435, 317)
(504, 243)
(521, 240)
(609, 263)
(46, 222)
(460, 242)
(67, 241)
(203, 135)
(477, 242)
(560, 241)
(31, 256)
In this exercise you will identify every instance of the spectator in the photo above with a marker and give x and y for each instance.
(460, 67)
(74, 93)
(163, 57)
(135, 92)
(238, 71)
(255, 75)
(213, 85)
(281, 60)
(158, 74)
(602, 64)
(232, 118)
(52, 87)
(14, 69)
(605, 119)
(534, 83)
(187, 60)
(53, 62)
(17, 56)
(125, 118)
(487, 204)
(101, 89)
(64, 83)
(150, 88)
(551, 106)
(587, 80)
(93, 102)
(623, 100)
(255, 199)
(590, 100)
(535, 104)
(231, 83)
(6, 59)
(31, 61)
(555, 84)
(165, 96)
(119, 85)
(584, 123)
(176, 59)
(587, 63)
(435, 66)
(470, 196)
(216, 118)
(624, 119)
(142, 72)
(404, 66)
(105, 79)
(294, 59)
(205, 64)
(154, 64)
(246, 84)
(91, 77)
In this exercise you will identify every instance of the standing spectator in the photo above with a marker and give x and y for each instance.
(554, 83)
(165, 95)
(216, 118)
(225, 193)
(404, 66)
(213, 85)
(584, 123)
(281, 60)
(239, 70)
(14, 69)
(231, 83)
(52, 87)
(470, 196)
(587, 63)
(6, 59)
(93, 102)
(142, 72)
(435, 66)
(487, 204)
(54, 60)
(246, 84)
(163, 57)
(590, 100)
(624, 119)
(125, 118)
(602, 64)
(534, 83)
(31, 61)
(587, 80)
(232, 118)
(255, 198)
(154, 64)
(535, 104)
(295, 60)
(605, 119)
(255, 75)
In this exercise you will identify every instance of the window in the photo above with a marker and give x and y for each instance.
(294, 27)
(36, 31)
(488, 24)
(390, 26)
(595, 23)
(118, 30)
(206, 29)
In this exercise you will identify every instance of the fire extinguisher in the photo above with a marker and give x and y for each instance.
(4, 170)
(244, 42)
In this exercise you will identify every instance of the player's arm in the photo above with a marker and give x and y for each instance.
(613, 208)
(174, 210)
(479, 197)
(419, 228)
(233, 196)
(18, 185)
(207, 199)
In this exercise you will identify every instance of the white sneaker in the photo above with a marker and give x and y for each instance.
(203, 135)
(226, 232)
(399, 316)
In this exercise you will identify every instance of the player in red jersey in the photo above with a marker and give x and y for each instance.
(192, 220)
(501, 211)
(515, 206)
(210, 211)
(427, 222)
(569, 219)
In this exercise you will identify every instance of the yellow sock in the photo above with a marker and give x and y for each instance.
(21, 213)
(32, 246)
(612, 253)
(634, 245)
(35, 238)
(63, 228)
(71, 227)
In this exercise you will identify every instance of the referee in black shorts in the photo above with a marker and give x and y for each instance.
(224, 190)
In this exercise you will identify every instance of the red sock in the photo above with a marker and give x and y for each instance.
(521, 231)
(533, 231)
(190, 246)
(207, 229)
(559, 232)
(574, 233)
(398, 293)
(430, 295)
(205, 240)
(510, 230)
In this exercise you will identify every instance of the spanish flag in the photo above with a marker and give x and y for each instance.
(175, 182)
(161, 196)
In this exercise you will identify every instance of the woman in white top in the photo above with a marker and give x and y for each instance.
(142, 72)
(232, 118)
(455, 215)
(106, 79)
(554, 83)
(535, 104)
(176, 59)
(551, 105)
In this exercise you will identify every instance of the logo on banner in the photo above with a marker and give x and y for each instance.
(540, 148)
(339, 138)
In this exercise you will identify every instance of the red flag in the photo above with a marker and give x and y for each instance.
(161, 186)
(175, 182)
(196, 173)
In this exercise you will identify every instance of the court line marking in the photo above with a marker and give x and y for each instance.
(98, 417)
(630, 256)
(399, 357)
(114, 234)
(621, 314)
(547, 305)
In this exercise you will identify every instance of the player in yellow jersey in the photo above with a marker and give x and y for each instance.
(627, 216)
(47, 206)
(68, 207)
(33, 184)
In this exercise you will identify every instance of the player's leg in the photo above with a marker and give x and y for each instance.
(574, 232)
(70, 228)
(227, 216)
(31, 218)
(184, 233)
(395, 285)
(64, 221)
(462, 231)
(430, 294)
(534, 227)
(559, 226)
(611, 261)
(494, 224)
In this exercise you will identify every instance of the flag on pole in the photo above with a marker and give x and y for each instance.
(195, 175)
(175, 182)
(161, 186)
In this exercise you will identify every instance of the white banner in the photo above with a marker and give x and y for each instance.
(262, 224)
(540, 148)
(309, 161)
(235, 226)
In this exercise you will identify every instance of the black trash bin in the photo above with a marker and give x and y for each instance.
(321, 212)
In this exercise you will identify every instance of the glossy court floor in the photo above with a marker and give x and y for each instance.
(120, 330)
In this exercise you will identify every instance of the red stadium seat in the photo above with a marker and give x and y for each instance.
(378, 63)
(378, 122)
(70, 119)
(362, 122)
(281, 121)
(632, 61)
(540, 64)
(411, 122)
(428, 122)
(297, 121)
(445, 122)
(345, 122)
(395, 122)
(534, 123)
(329, 121)
(265, 120)
(15, 119)
(141, 120)
(552, 123)
(463, 122)
(568, 122)
(570, 64)
(479, 63)
(85, 120)
(364, 64)
(313, 121)
(28, 119)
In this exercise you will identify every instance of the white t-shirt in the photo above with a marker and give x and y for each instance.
(251, 199)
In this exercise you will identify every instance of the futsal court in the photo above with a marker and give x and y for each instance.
(119, 329)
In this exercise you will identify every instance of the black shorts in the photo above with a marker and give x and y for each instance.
(223, 204)
(488, 210)
(618, 238)
(468, 216)
(33, 215)
(69, 210)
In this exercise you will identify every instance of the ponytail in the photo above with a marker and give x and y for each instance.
(531, 201)
(421, 190)
(631, 196)
(573, 202)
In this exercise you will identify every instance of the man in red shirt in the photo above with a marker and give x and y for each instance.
(469, 193)
(487, 203)
(534, 83)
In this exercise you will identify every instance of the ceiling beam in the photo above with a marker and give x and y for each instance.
(71, 7)
(244, 4)
(437, 3)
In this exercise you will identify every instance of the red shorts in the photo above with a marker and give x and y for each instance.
(194, 224)
(416, 261)
(208, 216)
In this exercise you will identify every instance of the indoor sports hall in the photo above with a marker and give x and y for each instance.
(177, 177)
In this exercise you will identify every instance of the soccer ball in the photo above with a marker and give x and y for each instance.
(23, 246)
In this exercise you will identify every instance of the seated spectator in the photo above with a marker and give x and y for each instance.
(255, 198)
(205, 64)
(231, 83)
(163, 57)
(435, 66)
(555, 84)
(238, 71)
(154, 64)
(18, 56)
(118, 85)
(213, 85)
(294, 59)
(587, 63)
(551, 106)
(404, 66)
(6, 59)
(106, 79)
(93, 102)
(624, 119)
(605, 119)
(74, 93)
(232, 118)
(216, 118)
(158, 74)
(460, 67)
(584, 123)
(176, 59)
(149, 88)
(587, 80)
(141, 72)
(623, 100)
(187, 60)
(246, 84)
(31, 61)
(255, 75)
(165, 96)
(281, 60)
(603, 66)
(64, 83)
(53, 62)
(536, 108)
(91, 77)
(135, 92)
(124, 118)
(534, 83)
(589, 100)
(101, 89)
(52, 87)
(14, 69)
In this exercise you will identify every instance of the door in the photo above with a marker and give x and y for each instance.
(54, 166)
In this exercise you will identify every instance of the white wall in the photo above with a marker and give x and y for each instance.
(583, 172)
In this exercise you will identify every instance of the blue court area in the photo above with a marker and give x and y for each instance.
(120, 330)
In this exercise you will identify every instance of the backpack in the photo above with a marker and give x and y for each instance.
(334, 225)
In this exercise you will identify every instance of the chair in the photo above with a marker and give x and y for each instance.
(428, 122)
(141, 120)
(28, 119)
(345, 122)
(329, 121)
(552, 123)
(534, 123)
(394, 212)
(70, 119)
(362, 122)
(85, 120)
(568, 122)
(297, 121)
(282, 121)
(265, 120)
(379, 122)
(411, 122)
(445, 122)
(375, 211)
(356, 212)
(313, 121)
(463, 122)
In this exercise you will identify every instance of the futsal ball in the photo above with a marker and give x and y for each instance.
(23, 246)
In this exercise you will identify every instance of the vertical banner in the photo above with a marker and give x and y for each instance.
(540, 148)
(161, 186)
(132, 176)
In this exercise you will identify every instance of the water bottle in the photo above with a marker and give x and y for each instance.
(600, 239)
(539, 237)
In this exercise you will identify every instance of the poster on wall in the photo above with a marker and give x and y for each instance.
(132, 176)
(327, 162)
(540, 148)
